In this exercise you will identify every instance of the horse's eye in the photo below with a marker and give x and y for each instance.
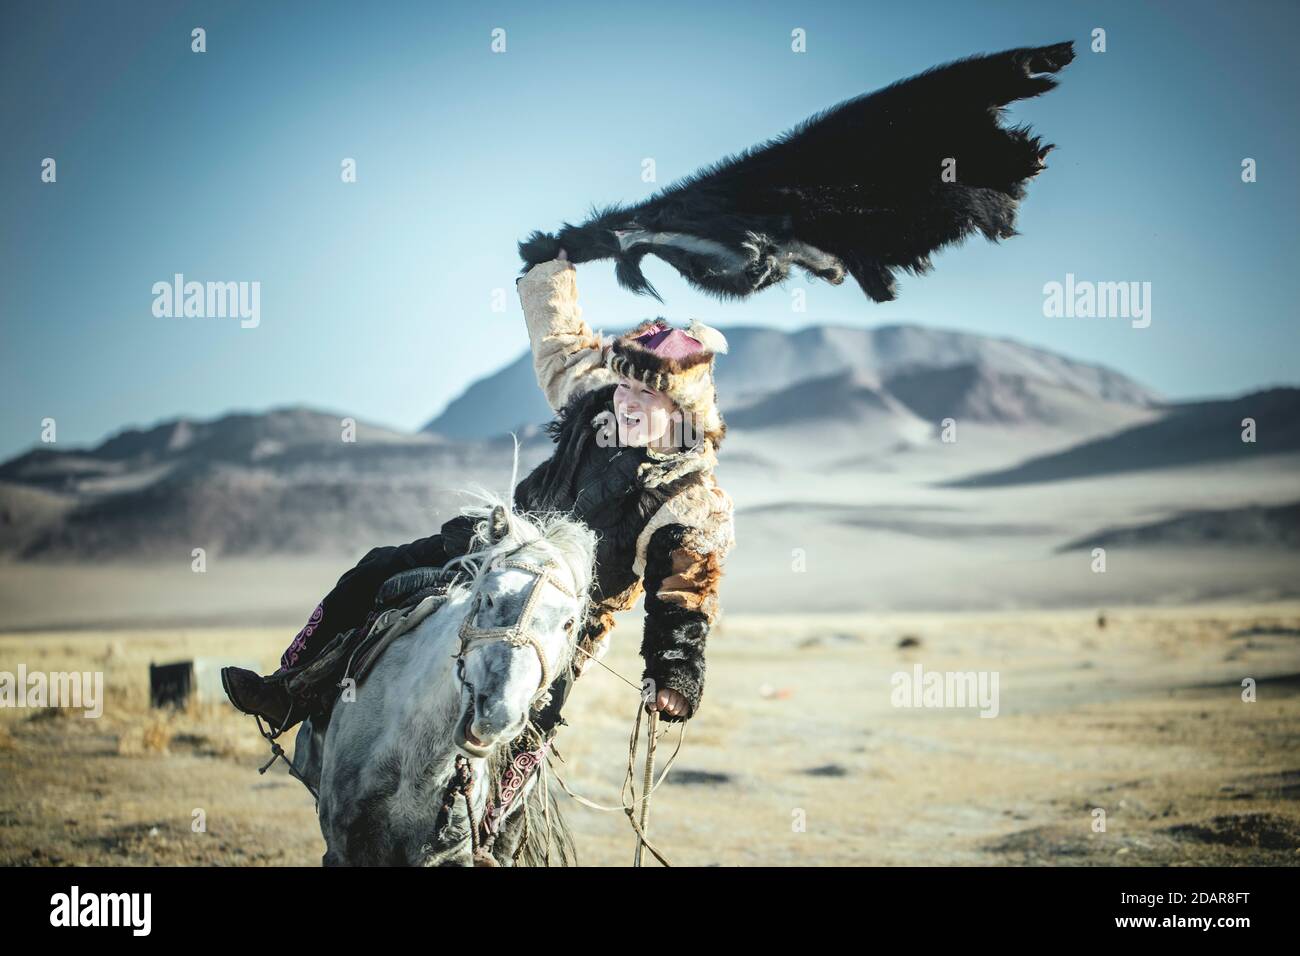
(569, 624)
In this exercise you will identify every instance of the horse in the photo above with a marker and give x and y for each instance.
(443, 702)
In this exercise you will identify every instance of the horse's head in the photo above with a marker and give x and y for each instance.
(526, 606)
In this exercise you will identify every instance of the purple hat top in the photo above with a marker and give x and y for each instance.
(668, 342)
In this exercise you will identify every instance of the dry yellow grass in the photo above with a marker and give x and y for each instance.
(1143, 719)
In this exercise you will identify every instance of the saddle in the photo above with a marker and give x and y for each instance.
(402, 602)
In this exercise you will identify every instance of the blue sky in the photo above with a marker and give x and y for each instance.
(377, 296)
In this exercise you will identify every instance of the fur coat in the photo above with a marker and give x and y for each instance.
(664, 526)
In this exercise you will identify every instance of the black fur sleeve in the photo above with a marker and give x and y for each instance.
(679, 593)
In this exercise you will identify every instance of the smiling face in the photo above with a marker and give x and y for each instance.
(644, 415)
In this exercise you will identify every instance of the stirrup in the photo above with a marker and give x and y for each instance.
(277, 752)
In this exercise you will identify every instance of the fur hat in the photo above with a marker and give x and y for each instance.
(679, 363)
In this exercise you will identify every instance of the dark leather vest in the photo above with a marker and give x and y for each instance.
(598, 485)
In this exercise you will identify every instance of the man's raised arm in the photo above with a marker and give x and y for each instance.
(567, 355)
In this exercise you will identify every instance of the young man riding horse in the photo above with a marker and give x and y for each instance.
(636, 433)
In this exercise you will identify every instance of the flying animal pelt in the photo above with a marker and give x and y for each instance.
(859, 189)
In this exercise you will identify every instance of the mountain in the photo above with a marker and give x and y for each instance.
(977, 392)
(815, 418)
(1253, 526)
(835, 457)
(284, 481)
(287, 482)
(494, 405)
(847, 396)
(139, 456)
(761, 362)
(762, 359)
(864, 418)
(1188, 434)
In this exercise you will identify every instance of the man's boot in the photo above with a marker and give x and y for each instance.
(265, 697)
(289, 696)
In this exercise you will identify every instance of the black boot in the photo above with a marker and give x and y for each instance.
(265, 697)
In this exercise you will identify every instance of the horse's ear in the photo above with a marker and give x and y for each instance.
(498, 524)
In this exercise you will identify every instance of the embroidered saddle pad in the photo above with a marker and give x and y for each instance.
(403, 602)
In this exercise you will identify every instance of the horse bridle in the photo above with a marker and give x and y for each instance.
(520, 633)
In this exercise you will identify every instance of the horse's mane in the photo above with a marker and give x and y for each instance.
(570, 543)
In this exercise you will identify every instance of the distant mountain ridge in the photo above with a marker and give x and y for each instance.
(1253, 526)
(236, 437)
(1189, 433)
(763, 361)
(286, 482)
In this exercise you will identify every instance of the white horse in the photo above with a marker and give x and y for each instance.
(451, 694)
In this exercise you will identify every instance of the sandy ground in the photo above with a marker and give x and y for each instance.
(798, 756)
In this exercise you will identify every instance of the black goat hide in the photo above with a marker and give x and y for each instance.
(857, 189)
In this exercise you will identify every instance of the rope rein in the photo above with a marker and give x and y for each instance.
(648, 786)
(628, 807)
(647, 783)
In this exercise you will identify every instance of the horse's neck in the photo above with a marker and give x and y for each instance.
(427, 681)
(422, 705)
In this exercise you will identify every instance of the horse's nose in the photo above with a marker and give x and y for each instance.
(491, 718)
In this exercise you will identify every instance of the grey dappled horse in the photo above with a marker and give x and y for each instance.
(463, 681)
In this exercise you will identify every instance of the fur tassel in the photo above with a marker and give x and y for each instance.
(710, 338)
